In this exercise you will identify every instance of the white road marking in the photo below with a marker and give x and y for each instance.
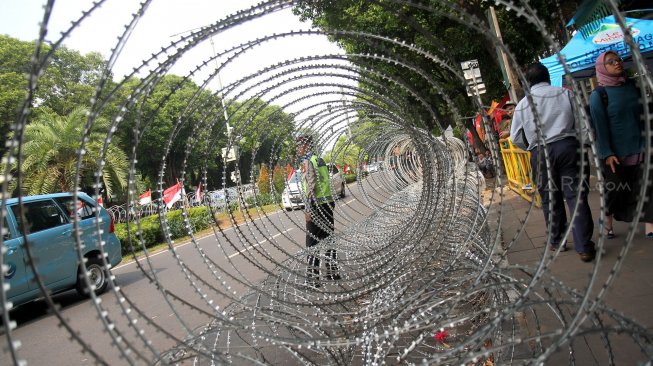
(350, 201)
(259, 243)
(179, 246)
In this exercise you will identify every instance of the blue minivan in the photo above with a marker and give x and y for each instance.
(48, 223)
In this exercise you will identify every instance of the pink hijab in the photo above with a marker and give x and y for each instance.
(602, 75)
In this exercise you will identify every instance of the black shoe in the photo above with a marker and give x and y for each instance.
(587, 256)
(563, 249)
(333, 277)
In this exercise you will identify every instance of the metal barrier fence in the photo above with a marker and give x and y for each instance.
(216, 199)
(517, 163)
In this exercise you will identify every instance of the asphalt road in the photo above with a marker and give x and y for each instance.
(181, 292)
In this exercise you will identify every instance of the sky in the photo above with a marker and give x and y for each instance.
(165, 21)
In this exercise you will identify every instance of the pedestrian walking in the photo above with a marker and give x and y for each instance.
(397, 166)
(563, 180)
(617, 119)
(318, 206)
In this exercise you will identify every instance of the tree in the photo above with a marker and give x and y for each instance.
(264, 132)
(345, 152)
(68, 81)
(444, 31)
(50, 155)
(12, 95)
(168, 108)
(263, 182)
(278, 178)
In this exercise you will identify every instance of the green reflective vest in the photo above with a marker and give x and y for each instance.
(322, 186)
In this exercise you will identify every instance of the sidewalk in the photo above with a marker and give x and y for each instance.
(630, 293)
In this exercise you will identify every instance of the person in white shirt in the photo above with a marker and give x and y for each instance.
(545, 120)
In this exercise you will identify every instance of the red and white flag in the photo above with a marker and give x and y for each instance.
(172, 194)
(100, 202)
(145, 198)
(198, 195)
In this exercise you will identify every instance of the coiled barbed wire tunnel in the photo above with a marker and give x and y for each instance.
(420, 248)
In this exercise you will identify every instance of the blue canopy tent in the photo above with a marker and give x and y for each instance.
(581, 52)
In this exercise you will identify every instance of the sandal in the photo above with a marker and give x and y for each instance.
(610, 233)
(650, 235)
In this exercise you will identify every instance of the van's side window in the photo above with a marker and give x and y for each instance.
(40, 215)
(83, 209)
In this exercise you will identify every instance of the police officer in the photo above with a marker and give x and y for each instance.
(318, 207)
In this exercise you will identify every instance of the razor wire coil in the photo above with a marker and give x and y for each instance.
(424, 266)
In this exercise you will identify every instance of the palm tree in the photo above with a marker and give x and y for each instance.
(51, 151)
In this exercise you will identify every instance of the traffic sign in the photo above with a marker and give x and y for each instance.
(475, 89)
(230, 155)
(472, 75)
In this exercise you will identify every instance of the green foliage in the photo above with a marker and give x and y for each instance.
(152, 234)
(169, 108)
(233, 206)
(458, 133)
(263, 182)
(263, 199)
(262, 128)
(351, 177)
(70, 80)
(278, 179)
(12, 94)
(161, 121)
(50, 155)
(199, 219)
(440, 28)
(345, 151)
(67, 83)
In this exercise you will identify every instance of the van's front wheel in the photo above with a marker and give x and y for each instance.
(97, 276)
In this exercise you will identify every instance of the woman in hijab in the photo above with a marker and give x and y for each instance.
(616, 114)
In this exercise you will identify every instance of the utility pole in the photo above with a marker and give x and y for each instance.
(232, 153)
(504, 58)
(224, 108)
(344, 105)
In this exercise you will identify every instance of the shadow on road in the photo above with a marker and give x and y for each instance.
(35, 310)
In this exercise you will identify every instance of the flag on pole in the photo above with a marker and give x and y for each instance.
(145, 198)
(100, 202)
(172, 195)
(198, 195)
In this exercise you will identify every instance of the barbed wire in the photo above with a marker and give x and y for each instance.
(425, 273)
